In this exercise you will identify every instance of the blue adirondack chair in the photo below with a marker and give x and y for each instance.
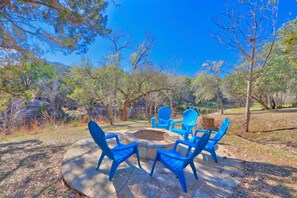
(188, 122)
(211, 145)
(163, 118)
(176, 162)
(120, 153)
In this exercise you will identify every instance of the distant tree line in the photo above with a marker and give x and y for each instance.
(88, 88)
(266, 72)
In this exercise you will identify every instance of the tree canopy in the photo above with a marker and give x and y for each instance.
(289, 39)
(206, 85)
(25, 78)
(34, 26)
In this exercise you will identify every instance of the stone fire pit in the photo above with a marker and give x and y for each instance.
(150, 139)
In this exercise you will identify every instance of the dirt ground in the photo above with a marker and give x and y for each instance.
(268, 153)
(30, 164)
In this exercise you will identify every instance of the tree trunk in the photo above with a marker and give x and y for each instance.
(221, 103)
(222, 107)
(171, 103)
(272, 103)
(265, 105)
(146, 110)
(109, 115)
(248, 98)
(125, 112)
(149, 110)
(109, 118)
(247, 107)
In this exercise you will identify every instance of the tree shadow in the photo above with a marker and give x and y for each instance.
(12, 147)
(131, 181)
(30, 164)
(282, 129)
(284, 110)
(264, 178)
(267, 180)
(28, 168)
(262, 111)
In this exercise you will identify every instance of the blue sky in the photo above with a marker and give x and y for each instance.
(182, 31)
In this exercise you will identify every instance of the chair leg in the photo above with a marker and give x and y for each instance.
(213, 154)
(186, 136)
(194, 169)
(137, 154)
(154, 125)
(167, 128)
(113, 169)
(100, 161)
(153, 166)
(182, 180)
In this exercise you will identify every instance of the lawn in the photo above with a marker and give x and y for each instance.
(30, 163)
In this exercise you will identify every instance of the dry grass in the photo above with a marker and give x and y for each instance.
(268, 152)
(30, 164)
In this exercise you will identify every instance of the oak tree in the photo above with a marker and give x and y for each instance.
(30, 27)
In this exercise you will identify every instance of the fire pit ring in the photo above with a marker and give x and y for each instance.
(150, 139)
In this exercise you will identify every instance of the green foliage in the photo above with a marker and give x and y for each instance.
(278, 75)
(236, 86)
(133, 58)
(141, 82)
(289, 39)
(204, 111)
(111, 86)
(4, 99)
(180, 87)
(207, 85)
(25, 78)
(55, 25)
(93, 86)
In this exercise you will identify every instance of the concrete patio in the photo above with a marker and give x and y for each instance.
(215, 180)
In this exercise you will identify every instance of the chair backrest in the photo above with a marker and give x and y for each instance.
(99, 137)
(200, 144)
(164, 113)
(223, 129)
(190, 118)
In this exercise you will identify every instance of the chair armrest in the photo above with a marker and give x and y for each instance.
(186, 142)
(210, 139)
(200, 130)
(195, 138)
(112, 135)
(192, 125)
(169, 120)
(164, 152)
(125, 146)
(175, 122)
(153, 119)
(183, 142)
(203, 131)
